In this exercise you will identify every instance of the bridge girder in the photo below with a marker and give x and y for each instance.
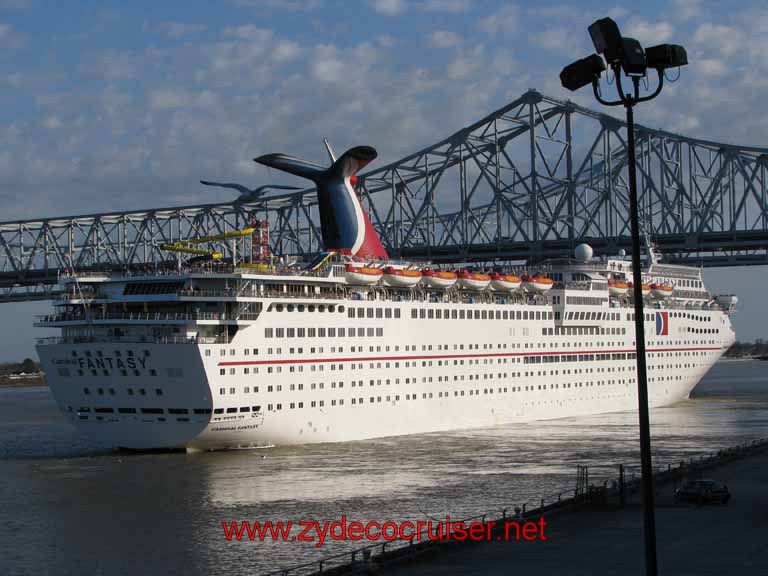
(530, 180)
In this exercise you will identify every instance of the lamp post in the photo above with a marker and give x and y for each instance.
(626, 57)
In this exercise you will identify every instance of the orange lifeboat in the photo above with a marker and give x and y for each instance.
(401, 278)
(617, 288)
(661, 290)
(473, 280)
(645, 288)
(438, 279)
(362, 275)
(537, 284)
(505, 282)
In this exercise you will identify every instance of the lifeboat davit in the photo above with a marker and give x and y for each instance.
(617, 288)
(661, 290)
(537, 284)
(438, 279)
(400, 278)
(362, 275)
(644, 287)
(473, 280)
(505, 282)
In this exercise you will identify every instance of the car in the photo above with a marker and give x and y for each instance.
(703, 491)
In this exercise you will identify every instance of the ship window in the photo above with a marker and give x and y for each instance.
(178, 411)
(279, 308)
(245, 408)
(159, 391)
(379, 313)
(222, 371)
(291, 333)
(231, 410)
(127, 410)
(388, 313)
(414, 313)
(151, 410)
(218, 411)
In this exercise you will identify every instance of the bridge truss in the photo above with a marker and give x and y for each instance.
(528, 181)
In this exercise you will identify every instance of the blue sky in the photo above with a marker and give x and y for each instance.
(122, 105)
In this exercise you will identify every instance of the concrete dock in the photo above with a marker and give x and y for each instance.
(692, 540)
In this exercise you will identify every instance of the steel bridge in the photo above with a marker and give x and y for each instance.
(528, 181)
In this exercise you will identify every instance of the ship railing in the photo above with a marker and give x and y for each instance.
(135, 316)
(131, 340)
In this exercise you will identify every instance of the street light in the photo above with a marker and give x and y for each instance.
(626, 57)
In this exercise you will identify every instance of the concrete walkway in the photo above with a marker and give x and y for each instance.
(695, 541)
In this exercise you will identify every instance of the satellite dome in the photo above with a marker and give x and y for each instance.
(622, 253)
(584, 253)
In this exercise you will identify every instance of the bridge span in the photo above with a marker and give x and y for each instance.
(530, 180)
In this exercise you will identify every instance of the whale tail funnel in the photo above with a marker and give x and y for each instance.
(345, 225)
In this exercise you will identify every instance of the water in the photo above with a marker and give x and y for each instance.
(68, 506)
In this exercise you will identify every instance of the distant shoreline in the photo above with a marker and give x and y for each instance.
(24, 382)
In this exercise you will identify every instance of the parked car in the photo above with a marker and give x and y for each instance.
(703, 492)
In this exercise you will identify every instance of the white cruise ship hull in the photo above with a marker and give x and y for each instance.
(410, 376)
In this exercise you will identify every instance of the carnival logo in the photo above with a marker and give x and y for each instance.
(662, 323)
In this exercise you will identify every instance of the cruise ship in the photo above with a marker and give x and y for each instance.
(252, 351)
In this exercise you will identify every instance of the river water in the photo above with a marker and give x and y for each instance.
(68, 506)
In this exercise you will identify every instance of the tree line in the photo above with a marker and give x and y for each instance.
(26, 366)
(741, 349)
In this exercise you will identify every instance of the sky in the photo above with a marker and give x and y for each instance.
(111, 105)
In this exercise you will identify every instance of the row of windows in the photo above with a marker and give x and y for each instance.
(130, 391)
(373, 312)
(109, 410)
(321, 332)
(134, 288)
(585, 300)
(360, 400)
(307, 307)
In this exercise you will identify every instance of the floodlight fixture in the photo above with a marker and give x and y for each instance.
(607, 39)
(582, 72)
(666, 56)
(626, 57)
(633, 60)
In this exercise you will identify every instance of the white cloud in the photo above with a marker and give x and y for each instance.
(454, 6)
(711, 67)
(444, 39)
(389, 7)
(51, 123)
(719, 38)
(177, 29)
(295, 5)
(649, 33)
(171, 98)
(560, 40)
(503, 21)
(10, 38)
(285, 51)
(685, 10)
